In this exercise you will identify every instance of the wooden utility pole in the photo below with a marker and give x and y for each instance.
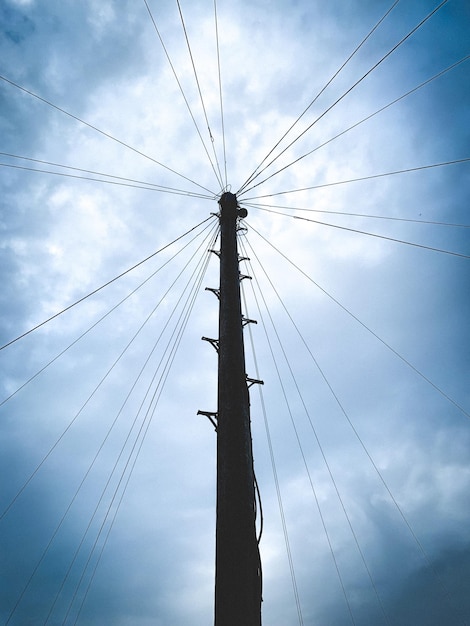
(238, 568)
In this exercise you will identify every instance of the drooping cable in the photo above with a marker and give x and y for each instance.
(278, 489)
(363, 232)
(182, 91)
(418, 543)
(257, 504)
(299, 443)
(102, 132)
(365, 119)
(358, 47)
(259, 510)
(109, 282)
(369, 330)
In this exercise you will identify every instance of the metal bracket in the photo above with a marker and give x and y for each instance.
(216, 252)
(246, 321)
(214, 342)
(214, 291)
(243, 258)
(243, 276)
(211, 416)
(253, 381)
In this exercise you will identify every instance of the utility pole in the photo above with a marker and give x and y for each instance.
(238, 566)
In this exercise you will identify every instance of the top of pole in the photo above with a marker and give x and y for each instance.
(229, 206)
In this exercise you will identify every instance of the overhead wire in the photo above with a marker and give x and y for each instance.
(89, 329)
(266, 207)
(278, 489)
(362, 178)
(259, 513)
(423, 21)
(150, 412)
(109, 282)
(289, 410)
(365, 119)
(363, 232)
(102, 132)
(188, 106)
(133, 184)
(106, 182)
(327, 84)
(27, 482)
(367, 328)
(143, 427)
(182, 321)
(317, 439)
(220, 91)
(92, 464)
(258, 207)
(210, 236)
(427, 559)
(442, 585)
(200, 93)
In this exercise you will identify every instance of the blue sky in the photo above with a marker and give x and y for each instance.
(361, 341)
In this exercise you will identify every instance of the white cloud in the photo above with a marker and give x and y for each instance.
(63, 237)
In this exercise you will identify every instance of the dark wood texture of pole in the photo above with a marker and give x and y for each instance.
(238, 570)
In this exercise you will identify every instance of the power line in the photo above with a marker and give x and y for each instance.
(363, 232)
(348, 419)
(211, 235)
(344, 95)
(176, 338)
(102, 132)
(276, 367)
(38, 467)
(365, 119)
(369, 330)
(200, 93)
(109, 182)
(127, 182)
(182, 91)
(320, 447)
(220, 90)
(266, 207)
(252, 175)
(354, 180)
(278, 488)
(105, 285)
(53, 360)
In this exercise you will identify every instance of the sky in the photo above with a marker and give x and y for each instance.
(361, 430)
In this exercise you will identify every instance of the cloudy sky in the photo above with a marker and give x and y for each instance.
(107, 472)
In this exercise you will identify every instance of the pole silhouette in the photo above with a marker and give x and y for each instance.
(238, 566)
